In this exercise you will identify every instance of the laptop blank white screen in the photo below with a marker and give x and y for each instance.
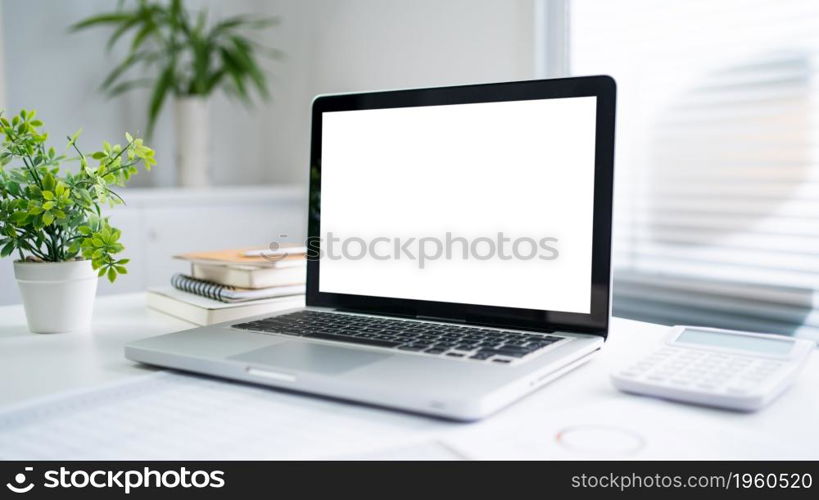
(486, 204)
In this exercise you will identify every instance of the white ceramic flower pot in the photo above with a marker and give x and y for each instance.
(191, 128)
(57, 296)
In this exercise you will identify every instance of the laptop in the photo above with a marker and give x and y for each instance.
(458, 252)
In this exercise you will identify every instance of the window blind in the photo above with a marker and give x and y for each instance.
(717, 167)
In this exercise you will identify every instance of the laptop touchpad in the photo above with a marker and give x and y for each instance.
(308, 357)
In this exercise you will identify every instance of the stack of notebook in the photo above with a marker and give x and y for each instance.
(230, 284)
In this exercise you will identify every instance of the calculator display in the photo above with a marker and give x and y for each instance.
(735, 341)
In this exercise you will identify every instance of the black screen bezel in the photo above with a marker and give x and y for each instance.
(596, 322)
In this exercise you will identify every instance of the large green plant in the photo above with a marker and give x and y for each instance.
(190, 56)
(51, 215)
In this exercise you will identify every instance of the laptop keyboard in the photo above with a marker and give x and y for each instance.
(436, 339)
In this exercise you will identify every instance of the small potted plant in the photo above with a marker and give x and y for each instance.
(51, 219)
(181, 53)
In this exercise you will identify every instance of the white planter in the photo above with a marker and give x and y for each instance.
(57, 296)
(191, 128)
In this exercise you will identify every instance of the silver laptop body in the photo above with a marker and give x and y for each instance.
(451, 382)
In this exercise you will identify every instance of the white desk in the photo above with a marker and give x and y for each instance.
(34, 366)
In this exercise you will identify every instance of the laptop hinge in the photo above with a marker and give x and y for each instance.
(379, 313)
(437, 318)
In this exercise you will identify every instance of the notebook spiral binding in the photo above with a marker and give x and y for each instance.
(203, 288)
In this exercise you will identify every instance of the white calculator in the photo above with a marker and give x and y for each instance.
(725, 368)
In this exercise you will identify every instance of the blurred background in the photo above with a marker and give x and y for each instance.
(717, 175)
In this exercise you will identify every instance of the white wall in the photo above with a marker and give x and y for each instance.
(331, 46)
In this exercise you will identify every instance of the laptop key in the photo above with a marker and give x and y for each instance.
(410, 348)
(513, 354)
(482, 355)
(503, 352)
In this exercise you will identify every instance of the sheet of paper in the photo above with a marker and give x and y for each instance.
(177, 416)
(620, 427)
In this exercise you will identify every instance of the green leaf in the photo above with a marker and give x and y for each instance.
(7, 249)
(243, 53)
(144, 32)
(48, 218)
(121, 30)
(235, 71)
(130, 61)
(163, 84)
(110, 18)
(75, 136)
(84, 230)
(112, 274)
(123, 87)
(99, 155)
(48, 182)
(121, 270)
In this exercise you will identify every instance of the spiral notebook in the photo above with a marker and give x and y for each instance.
(224, 293)
(204, 311)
